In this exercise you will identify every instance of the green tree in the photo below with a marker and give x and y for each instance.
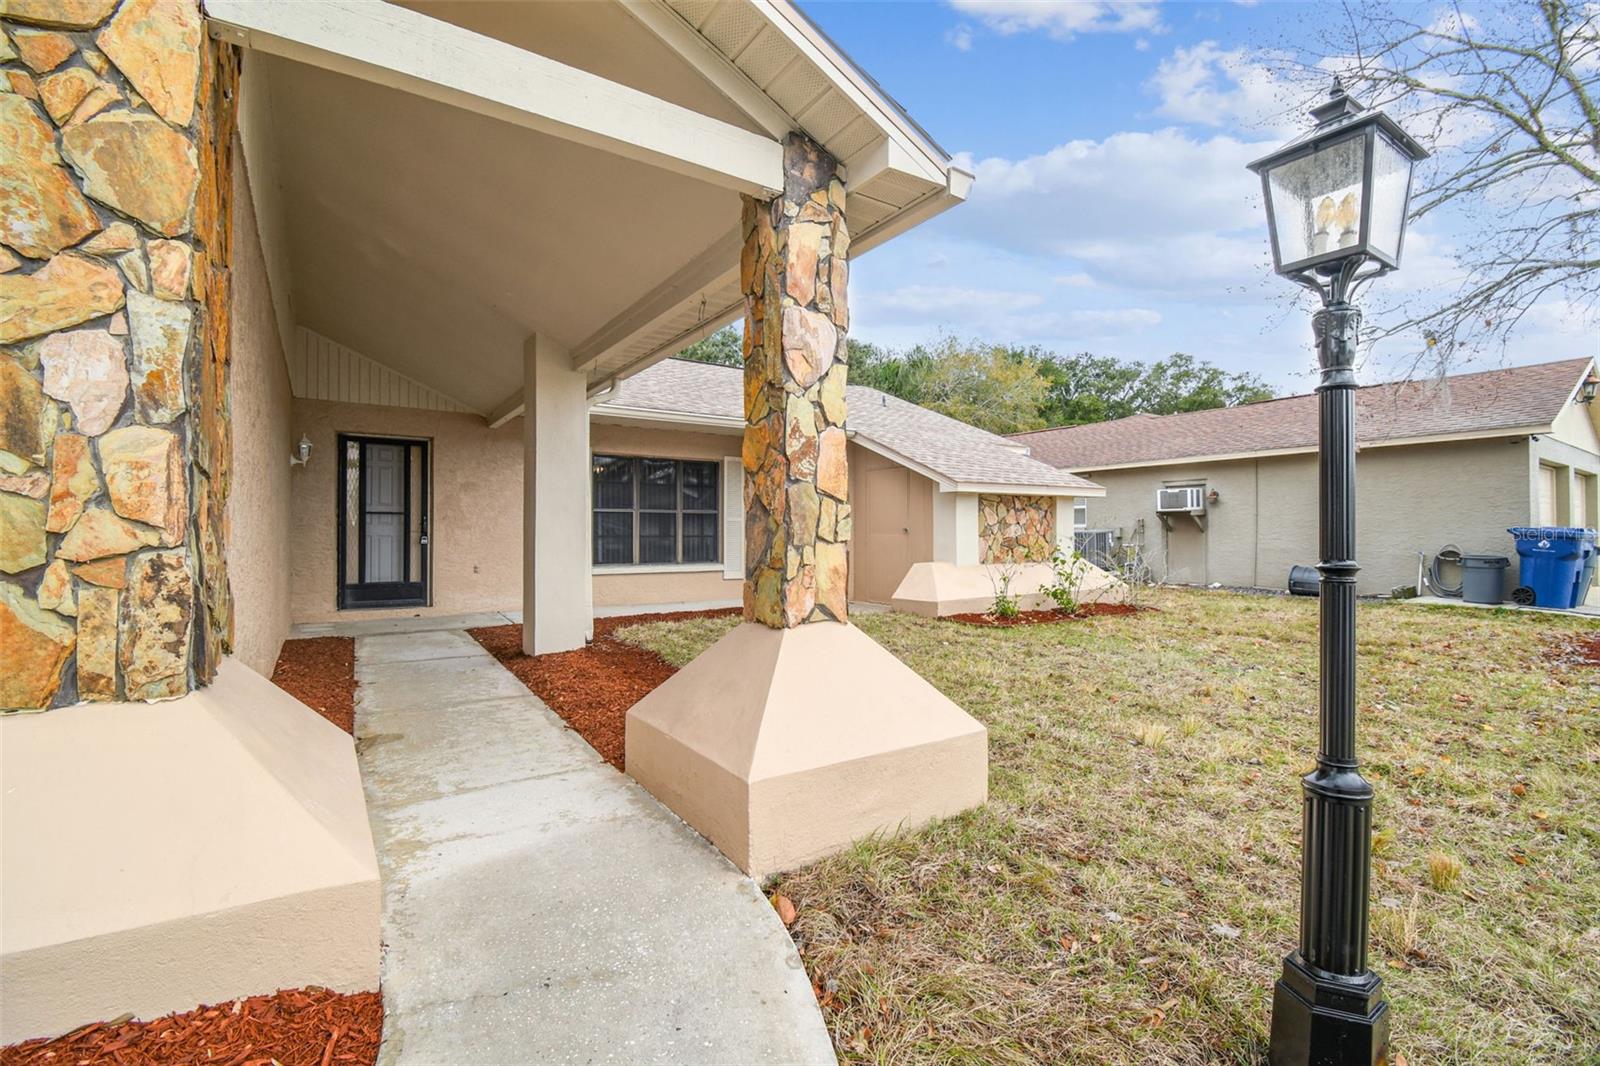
(1090, 388)
(725, 347)
(985, 385)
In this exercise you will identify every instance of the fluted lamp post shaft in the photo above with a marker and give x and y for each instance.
(1336, 206)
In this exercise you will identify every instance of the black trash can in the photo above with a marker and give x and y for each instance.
(1483, 578)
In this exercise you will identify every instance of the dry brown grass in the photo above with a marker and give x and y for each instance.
(1118, 901)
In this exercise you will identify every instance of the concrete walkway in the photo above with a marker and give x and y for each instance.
(540, 907)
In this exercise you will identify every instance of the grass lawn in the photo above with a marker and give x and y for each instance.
(1130, 889)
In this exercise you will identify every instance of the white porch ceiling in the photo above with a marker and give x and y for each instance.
(434, 238)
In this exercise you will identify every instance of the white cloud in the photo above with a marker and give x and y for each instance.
(1079, 280)
(1160, 211)
(942, 299)
(1064, 19)
(959, 38)
(1237, 88)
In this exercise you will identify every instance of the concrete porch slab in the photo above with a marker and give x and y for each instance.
(541, 907)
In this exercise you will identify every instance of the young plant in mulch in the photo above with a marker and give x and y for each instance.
(1005, 605)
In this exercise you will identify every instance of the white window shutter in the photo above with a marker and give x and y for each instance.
(733, 519)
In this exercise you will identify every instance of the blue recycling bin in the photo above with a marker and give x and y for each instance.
(1591, 559)
(1552, 559)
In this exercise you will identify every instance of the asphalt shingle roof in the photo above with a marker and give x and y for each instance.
(950, 448)
(1509, 399)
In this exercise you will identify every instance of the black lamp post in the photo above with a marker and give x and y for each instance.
(1336, 210)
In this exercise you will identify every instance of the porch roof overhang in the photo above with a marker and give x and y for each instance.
(441, 180)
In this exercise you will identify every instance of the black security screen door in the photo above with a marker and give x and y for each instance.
(383, 522)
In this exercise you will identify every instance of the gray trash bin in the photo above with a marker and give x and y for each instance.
(1483, 578)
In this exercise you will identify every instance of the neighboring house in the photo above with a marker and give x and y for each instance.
(1451, 461)
(506, 209)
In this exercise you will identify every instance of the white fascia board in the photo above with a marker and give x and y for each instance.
(734, 85)
(409, 51)
(998, 489)
(1275, 453)
(655, 415)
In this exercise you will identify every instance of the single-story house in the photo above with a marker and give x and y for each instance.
(665, 497)
(506, 209)
(1229, 496)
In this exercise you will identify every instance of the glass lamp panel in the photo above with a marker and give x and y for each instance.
(1391, 179)
(1316, 201)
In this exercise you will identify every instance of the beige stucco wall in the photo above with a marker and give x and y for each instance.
(258, 509)
(888, 535)
(476, 486)
(1409, 499)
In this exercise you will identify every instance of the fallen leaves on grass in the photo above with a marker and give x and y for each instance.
(299, 1027)
(785, 908)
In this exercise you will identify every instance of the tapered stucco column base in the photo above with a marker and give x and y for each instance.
(160, 856)
(782, 746)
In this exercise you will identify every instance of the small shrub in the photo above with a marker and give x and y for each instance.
(1067, 579)
(1443, 871)
(1005, 605)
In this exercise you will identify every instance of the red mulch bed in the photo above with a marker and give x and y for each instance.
(320, 672)
(593, 687)
(1581, 650)
(1039, 618)
(305, 1027)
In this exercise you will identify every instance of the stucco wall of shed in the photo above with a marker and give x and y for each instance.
(1409, 499)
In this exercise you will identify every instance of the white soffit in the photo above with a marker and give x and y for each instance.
(768, 60)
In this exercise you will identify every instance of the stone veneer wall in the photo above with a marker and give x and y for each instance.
(1016, 529)
(795, 275)
(115, 174)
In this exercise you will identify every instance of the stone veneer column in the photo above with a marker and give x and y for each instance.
(795, 734)
(795, 276)
(115, 172)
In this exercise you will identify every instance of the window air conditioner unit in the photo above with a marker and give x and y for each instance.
(1190, 499)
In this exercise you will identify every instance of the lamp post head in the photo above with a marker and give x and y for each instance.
(1338, 195)
(1589, 387)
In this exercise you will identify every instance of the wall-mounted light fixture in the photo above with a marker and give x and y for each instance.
(1590, 386)
(1213, 496)
(303, 453)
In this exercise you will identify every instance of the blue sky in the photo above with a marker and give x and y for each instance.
(1112, 211)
